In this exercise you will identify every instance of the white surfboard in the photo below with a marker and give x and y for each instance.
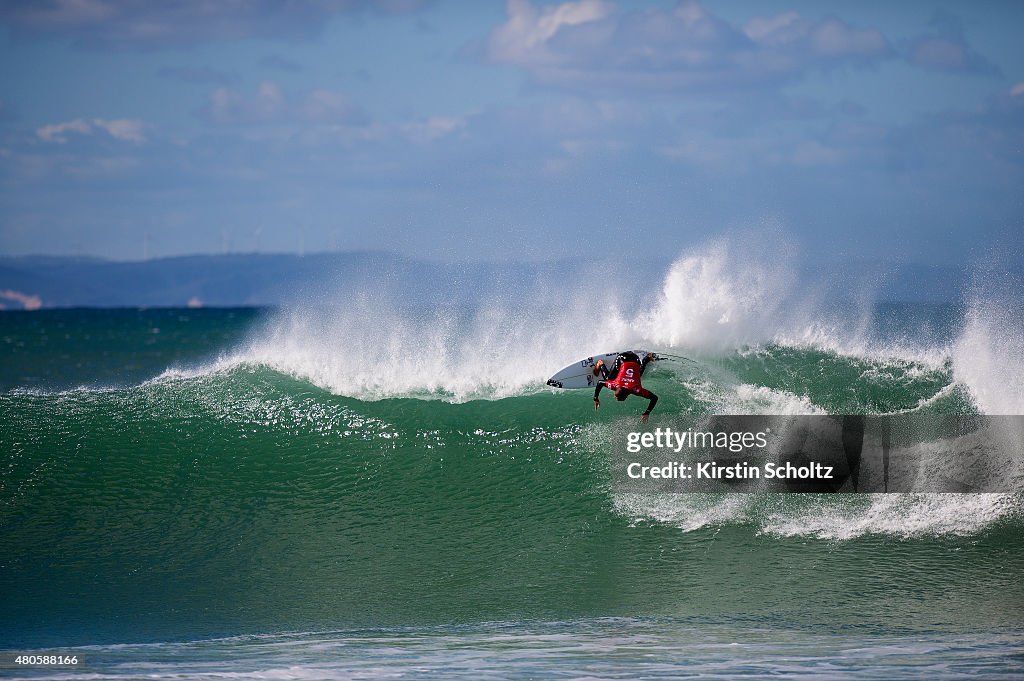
(581, 374)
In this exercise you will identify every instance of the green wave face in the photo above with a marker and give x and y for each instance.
(243, 498)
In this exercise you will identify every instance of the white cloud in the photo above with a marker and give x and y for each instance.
(124, 129)
(270, 104)
(832, 38)
(940, 54)
(776, 30)
(434, 128)
(138, 25)
(827, 39)
(328, 106)
(523, 37)
(56, 133)
(590, 44)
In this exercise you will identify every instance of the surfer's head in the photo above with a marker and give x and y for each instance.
(621, 394)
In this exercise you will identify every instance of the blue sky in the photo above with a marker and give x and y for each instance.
(477, 130)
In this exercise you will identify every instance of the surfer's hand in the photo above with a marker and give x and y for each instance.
(643, 418)
(597, 404)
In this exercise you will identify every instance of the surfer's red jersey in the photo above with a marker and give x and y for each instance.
(628, 369)
(628, 378)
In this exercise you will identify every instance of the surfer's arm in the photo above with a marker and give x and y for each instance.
(597, 390)
(650, 407)
(602, 368)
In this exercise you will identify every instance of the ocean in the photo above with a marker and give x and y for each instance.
(368, 485)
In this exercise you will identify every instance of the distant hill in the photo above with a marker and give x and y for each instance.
(275, 279)
(246, 279)
(218, 280)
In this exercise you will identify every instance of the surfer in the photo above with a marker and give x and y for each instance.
(627, 370)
